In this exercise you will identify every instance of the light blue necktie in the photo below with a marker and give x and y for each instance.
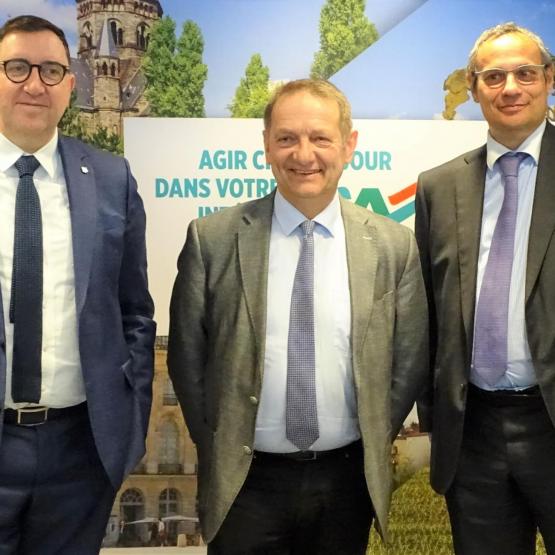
(492, 314)
(301, 410)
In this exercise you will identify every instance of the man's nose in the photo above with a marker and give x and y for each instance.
(511, 84)
(304, 151)
(33, 84)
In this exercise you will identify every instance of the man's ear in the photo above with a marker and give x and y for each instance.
(266, 136)
(350, 145)
(471, 86)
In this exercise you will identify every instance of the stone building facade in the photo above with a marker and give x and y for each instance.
(164, 483)
(113, 37)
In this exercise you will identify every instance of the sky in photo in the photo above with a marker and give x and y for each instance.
(400, 76)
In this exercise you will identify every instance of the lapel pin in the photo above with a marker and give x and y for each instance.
(84, 169)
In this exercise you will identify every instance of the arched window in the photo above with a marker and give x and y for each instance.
(87, 33)
(131, 508)
(104, 68)
(132, 505)
(114, 29)
(117, 32)
(142, 30)
(168, 448)
(113, 70)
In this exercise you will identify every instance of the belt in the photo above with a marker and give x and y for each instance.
(506, 397)
(35, 416)
(353, 449)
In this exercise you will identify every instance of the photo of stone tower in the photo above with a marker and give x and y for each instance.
(113, 38)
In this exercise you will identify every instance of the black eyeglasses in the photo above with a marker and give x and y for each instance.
(50, 73)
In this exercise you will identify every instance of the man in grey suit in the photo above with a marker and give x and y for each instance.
(297, 353)
(76, 328)
(484, 224)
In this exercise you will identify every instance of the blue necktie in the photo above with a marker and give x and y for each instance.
(26, 293)
(492, 313)
(301, 409)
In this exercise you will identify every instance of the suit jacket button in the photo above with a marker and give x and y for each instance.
(253, 400)
(247, 450)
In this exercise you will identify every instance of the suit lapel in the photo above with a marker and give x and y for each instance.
(253, 245)
(81, 190)
(543, 212)
(361, 238)
(469, 199)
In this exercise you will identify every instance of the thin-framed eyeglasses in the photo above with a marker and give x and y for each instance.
(495, 77)
(50, 73)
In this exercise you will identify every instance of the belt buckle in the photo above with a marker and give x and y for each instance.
(308, 455)
(31, 411)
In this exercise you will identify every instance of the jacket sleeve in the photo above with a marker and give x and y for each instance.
(410, 348)
(421, 227)
(137, 308)
(188, 339)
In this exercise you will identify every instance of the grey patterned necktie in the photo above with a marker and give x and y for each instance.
(492, 313)
(26, 292)
(301, 411)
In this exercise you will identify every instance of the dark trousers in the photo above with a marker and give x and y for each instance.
(55, 497)
(504, 489)
(288, 507)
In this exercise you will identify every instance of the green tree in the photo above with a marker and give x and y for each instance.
(344, 33)
(191, 71)
(174, 70)
(71, 123)
(105, 140)
(252, 94)
(159, 68)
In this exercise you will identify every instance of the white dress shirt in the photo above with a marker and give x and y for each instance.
(335, 394)
(520, 370)
(62, 380)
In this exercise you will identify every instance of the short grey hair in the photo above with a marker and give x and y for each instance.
(316, 87)
(498, 31)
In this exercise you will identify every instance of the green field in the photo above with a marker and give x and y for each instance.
(419, 524)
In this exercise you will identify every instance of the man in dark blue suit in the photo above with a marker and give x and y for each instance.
(76, 328)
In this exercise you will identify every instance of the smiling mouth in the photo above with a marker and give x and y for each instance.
(304, 172)
(512, 107)
(33, 105)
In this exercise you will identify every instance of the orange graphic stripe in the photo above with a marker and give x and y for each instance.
(403, 194)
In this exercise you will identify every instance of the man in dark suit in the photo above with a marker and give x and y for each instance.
(484, 225)
(293, 399)
(76, 328)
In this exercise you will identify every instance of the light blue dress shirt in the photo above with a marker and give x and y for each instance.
(520, 370)
(335, 395)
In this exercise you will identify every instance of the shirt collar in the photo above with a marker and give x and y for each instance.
(531, 145)
(289, 218)
(47, 155)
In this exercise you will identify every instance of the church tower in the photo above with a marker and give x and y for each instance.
(107, 86)
(113, 37)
